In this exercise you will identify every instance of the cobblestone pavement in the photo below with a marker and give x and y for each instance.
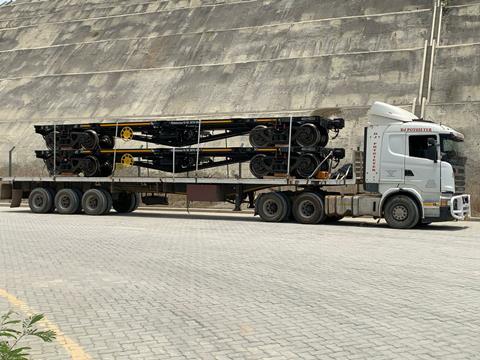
(167, 285)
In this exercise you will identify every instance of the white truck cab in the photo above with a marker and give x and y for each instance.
(410, 163)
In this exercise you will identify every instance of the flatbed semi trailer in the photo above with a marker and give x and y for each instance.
(404, 175)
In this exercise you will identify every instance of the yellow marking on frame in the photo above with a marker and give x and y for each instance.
(126, 124)
(126, 151)
(75, 350)
(216, 122)
(215, 149)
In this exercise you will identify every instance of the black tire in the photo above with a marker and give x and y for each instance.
(259, 167)
(308, 135)
(401, 212)
(95, 202)
(272, 207)
(41, 200)
(125, 202)
(68, 201)
(309, 208)
(89, 140)
(109, 201)
(138, 202)
(80, 195)
(258, 137)
(306, 165)
(90, 166)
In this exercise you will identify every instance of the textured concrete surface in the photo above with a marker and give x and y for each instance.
(163, 285)
(75, 61)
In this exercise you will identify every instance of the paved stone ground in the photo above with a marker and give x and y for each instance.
(160, 285)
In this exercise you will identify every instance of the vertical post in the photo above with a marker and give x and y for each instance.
(228, 166)
(173, 163)
(115, 151)
(289, 146)
(138, 167)
(10, 162)
(54, 149)
(198, 148)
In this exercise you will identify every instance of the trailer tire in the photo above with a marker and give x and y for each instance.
(41, 200)
(80, 195)
(95, 202)
(401, 212)
(258, 137)
(273, 207)
(125, 202)
(309, 208)
(68, 201)
(109, 201)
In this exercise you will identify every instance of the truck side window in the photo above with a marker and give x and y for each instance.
(418, 145)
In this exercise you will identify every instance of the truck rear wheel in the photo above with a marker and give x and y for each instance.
(95, 202)
(401, 212)
(68, 201)
(273, 207)
(126, 202)
(309, 208)
(41, 200)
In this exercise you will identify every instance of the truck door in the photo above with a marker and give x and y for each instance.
(422, 172)
(392, 167)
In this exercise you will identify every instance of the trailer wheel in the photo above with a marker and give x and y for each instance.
(89, 140)
(401, 212)
(125, 202)
(109, 201)
(308, 135)
(258, 137)
(90, 166)
(41, 200)
(309, 208)
(68, 201)
(95, 202)
(272, 207)
(307, 164)
(259, 167)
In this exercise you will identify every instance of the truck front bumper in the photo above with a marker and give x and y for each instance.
(460, 207)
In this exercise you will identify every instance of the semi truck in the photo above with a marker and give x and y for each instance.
(408, 173)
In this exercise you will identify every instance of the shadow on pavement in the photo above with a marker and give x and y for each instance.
(248, 217)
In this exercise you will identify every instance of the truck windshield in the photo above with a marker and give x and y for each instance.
(452, 148)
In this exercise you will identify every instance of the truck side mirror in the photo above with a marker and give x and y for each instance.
(432, 150)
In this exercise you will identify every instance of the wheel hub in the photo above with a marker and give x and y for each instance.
(65, 201)
(307, 208)
(38, 201)
(270, 207)
(92, 202)
(400, 213)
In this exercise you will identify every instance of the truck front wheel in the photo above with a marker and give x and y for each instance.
(401, 212)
